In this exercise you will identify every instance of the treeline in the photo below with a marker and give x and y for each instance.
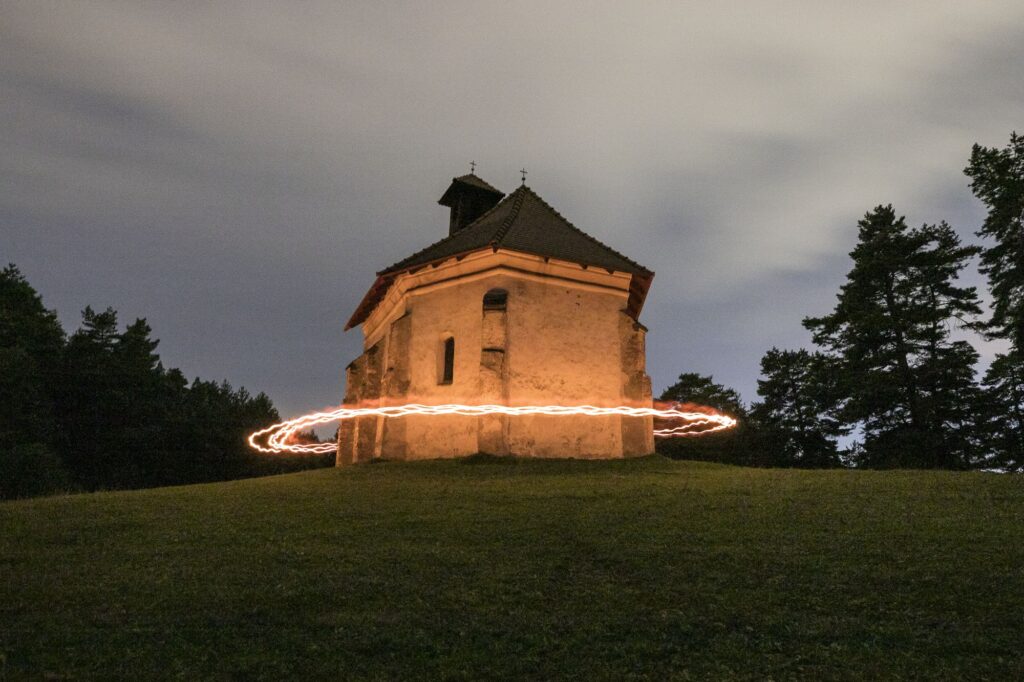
(893, 370)
(98, 410)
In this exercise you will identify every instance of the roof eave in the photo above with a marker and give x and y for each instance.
(639, 285)
(383, 282)
(370, 300)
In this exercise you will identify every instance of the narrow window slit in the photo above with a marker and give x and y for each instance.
(448, 370)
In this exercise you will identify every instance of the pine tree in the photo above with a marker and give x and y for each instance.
(1004, 394)
(997, 178)
(951, 394)
(145, 405)
(91, 403)
(798, 399)
(99, 410)
(31, 346)
(905, 383)
(31, 343)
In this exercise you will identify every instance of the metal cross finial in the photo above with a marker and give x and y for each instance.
(523, 171)
(472, 166)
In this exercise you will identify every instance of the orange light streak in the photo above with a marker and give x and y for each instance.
(687, 422)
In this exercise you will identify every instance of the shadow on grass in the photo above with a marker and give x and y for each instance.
(486, 458)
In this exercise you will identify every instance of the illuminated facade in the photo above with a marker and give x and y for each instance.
(515, 307)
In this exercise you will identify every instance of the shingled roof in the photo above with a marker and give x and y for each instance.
(475, 180)
(524, 222)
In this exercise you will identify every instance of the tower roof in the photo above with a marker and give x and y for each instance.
(524, 222)
(473, 181)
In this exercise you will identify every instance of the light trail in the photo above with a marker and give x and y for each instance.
(690, 422)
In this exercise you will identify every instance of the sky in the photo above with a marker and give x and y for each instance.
(236, 172)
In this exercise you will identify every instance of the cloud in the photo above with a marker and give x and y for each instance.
(237, 171)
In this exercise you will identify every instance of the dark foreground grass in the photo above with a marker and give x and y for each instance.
(643, 568)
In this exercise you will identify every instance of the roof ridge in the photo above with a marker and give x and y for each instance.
(581, 232)
(483, 215)
(517, 204)
(488, 212)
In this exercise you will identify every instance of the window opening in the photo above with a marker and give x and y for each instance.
(496, 299)
(448, 371)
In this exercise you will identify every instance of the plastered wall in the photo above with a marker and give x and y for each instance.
(556, 342)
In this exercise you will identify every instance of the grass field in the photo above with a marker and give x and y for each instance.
(536, 569)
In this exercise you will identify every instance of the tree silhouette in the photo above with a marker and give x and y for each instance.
(31, 345)
(906, 383)
(997, 178)
(797, 408)
(735, 446)
(99, 410)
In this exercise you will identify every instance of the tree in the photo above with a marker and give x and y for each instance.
(93, 402)
(216, 420)
(31, 341)
(702, 390)
(997, 178)
(1004, 432)
(796, 411)
(31, 344)
(99, 410)
(907, 385)
(151, 396)
(734, 446)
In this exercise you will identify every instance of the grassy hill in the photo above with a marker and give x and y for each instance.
(619, 569)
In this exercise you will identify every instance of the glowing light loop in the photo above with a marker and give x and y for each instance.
(678, 422)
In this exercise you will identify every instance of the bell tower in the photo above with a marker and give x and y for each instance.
(469, 197)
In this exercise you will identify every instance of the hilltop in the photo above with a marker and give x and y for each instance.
(540, 569)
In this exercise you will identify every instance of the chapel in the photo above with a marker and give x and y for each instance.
(515, 306)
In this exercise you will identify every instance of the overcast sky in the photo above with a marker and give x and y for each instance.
(237, 171)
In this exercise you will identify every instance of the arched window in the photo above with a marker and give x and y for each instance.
(448, 360)
(495, 299)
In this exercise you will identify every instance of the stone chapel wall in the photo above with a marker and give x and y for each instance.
(553, 343)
